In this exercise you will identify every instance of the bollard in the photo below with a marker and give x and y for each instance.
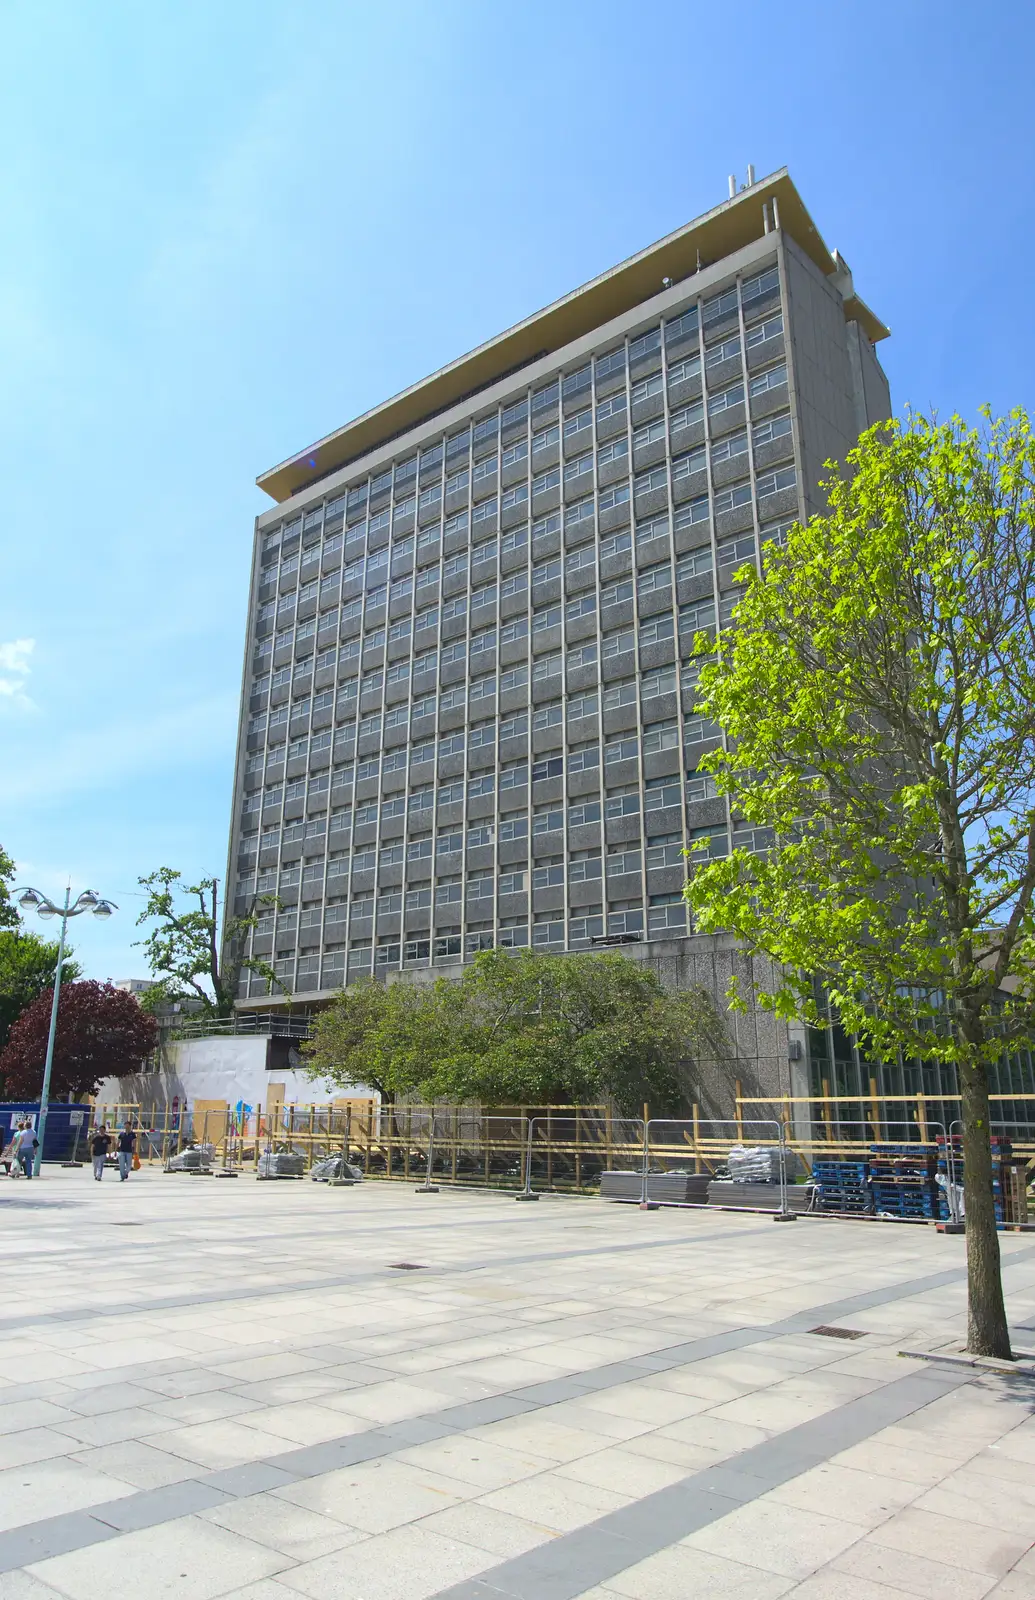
(646, 1204)
(785, 1214)
(527, 1192)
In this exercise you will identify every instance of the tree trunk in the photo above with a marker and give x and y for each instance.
(987, 1330)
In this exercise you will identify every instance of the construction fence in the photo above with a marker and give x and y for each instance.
(564, 1148)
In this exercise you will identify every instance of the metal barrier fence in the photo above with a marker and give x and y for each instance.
(674, 1144)
(571, 1152)
(527, 1149)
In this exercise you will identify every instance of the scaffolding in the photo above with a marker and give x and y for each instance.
(559, 1148)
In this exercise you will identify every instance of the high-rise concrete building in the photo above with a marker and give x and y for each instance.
(467, 716)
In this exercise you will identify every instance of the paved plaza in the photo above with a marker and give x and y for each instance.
(215, 1388)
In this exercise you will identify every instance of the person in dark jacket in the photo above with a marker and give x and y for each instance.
(100, 1144)
(127, 1149)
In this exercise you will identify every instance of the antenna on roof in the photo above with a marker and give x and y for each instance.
(751, 175)
(733, 186)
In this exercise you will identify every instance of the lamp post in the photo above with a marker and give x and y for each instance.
(33, 900)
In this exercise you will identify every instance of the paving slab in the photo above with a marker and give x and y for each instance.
(572, 1401)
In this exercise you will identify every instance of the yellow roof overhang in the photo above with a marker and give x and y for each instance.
(709, 238)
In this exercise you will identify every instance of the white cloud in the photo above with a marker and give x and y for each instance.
(14, 669)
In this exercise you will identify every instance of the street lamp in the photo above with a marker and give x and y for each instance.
(33, 900)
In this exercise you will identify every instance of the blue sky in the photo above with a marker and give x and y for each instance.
(231, 226)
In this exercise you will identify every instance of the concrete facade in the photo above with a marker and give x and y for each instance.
(467, 712)
(217, 1068)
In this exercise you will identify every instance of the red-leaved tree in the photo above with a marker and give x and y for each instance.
(101, 1033)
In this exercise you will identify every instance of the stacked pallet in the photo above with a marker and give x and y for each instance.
(902, 1180)
(1008, 1204)
(843, 1185)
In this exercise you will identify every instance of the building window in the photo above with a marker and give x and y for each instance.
(584, 758)
(695, 563)
(709, 844)
(701, 785)
(616, 644)
(697, 730)
(661, 682)
(651, 580)
(666, 914)
(621, 749)
(778, 427)
(648, 388)
(722, 350)
(773, 482)
(762, 332)
(622, 861)
(680, 371)
(660, 736)
(616, 495)
(616, 544)
(647, 482)
(747, 836)
(764, 283)
(665, 850)
(587, 811)
(656, 631)
(735, 444)
(620, 694)
(732, 552)
(612, 407)
(662, 792)
(772, 378)
(726, 399)
(649, 434)
(617, 450)
(584, 655)
(739, 494)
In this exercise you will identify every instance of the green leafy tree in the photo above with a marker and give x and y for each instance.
(877, 694)
(27, 965)
(8, 912)
(518, 1028)
(186, 952)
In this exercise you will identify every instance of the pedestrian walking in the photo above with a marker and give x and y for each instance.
(127, 1150)
(100, 1144)
(26, 1148)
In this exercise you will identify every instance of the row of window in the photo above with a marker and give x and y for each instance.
(450, 457)
(667, 918)
(429, 617)
(369, 564)
(738, 549)
(620, 799)
(312, 833)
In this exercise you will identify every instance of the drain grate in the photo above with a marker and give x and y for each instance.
(839, 1333)
(406, 1266)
